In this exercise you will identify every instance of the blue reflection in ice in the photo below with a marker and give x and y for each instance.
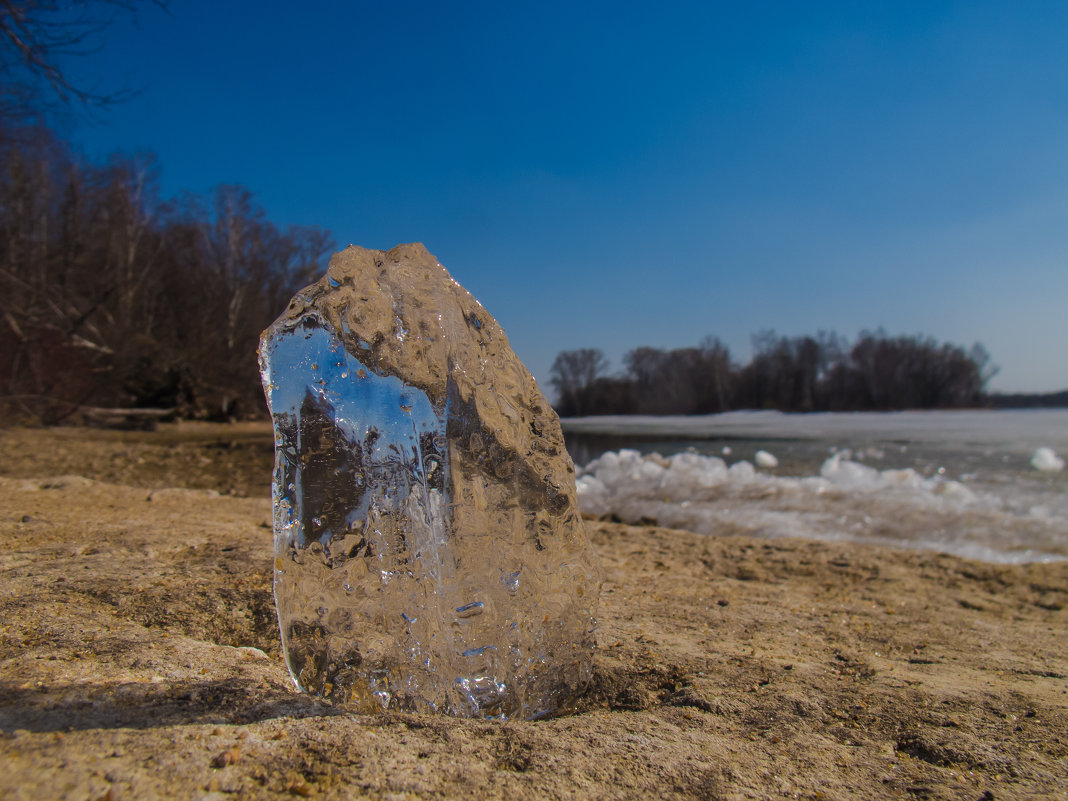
(347, 438)
(361, 400)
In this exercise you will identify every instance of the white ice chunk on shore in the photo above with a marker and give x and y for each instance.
(846, 501)
(1046, 460)
(765, 459)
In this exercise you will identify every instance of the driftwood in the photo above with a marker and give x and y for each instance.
(127, 419)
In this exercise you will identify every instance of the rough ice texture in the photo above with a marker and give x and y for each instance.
(429, 553)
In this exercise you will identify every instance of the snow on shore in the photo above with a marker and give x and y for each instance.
(846, 501)
(1046, 460)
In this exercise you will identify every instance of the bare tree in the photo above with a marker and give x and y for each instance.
(110, 297)
(981, 357)
(37, 36)
(716, 381)
(573, 374)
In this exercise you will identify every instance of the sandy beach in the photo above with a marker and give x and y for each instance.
(139, 657)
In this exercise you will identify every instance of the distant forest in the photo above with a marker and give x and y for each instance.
(112, 296)
(791, 374)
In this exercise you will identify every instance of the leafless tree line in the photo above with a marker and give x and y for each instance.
(112, 296)
(791, 374)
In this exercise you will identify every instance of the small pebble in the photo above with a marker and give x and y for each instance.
(227, 757)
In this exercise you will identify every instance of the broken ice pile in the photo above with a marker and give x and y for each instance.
(429, 553)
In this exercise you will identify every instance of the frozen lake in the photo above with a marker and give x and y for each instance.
(955, 481)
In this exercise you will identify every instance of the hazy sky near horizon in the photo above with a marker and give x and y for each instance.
(621, 174)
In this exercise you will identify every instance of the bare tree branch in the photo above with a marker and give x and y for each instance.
(35, 38)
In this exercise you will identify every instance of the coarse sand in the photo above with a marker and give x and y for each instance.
(139, 657)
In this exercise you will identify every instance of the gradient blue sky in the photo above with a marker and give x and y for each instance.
(621, 174)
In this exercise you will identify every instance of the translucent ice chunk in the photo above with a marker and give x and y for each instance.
(1047, 460)
(765, 459)
(429, 554)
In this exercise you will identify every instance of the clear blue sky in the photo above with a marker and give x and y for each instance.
(621, 174)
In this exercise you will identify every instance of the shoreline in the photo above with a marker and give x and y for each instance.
(1033, 426)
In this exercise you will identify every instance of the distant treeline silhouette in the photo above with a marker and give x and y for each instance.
(1028, 400)
(111, 296)
(791, 374)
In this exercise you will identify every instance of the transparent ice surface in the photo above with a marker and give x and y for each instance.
(428, 551)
